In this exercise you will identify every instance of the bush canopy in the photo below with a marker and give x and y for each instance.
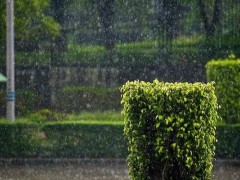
(170, 129)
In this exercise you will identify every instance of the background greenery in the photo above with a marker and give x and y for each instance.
(55, 33)
(226, 74)
(75, 31)
(27, 101)
(86, 98)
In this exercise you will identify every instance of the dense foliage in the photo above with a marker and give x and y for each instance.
(62, 139)
(226, 74)
(170, 129)
(83, 137)
(32, 24)
(17, 140)
(228, 137)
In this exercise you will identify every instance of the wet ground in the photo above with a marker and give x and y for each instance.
(64, 169)
(226, 170)
(100, 169)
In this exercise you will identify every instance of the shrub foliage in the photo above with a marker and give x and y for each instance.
(62, 139)
(227, 146)
(170, 129)
(17, 140)
(226, 74)
(87, 140)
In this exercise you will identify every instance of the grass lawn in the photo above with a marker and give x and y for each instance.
(106, 117)
(111, 116)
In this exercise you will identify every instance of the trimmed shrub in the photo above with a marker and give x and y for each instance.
(170, 129)
(26, 102)
(85, 140)
(17, 140)
(81, 98)
(62, 139)
(226, 74)
(227, 146)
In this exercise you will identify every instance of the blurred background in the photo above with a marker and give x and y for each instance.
(73, 55)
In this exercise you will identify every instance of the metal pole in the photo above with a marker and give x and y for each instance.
(10, 62)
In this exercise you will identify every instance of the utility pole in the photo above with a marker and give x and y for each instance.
(11, 95)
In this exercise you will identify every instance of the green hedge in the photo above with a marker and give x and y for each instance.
(140, 53)
(226, 74)
(170, 129)
(26, 101)
(227, 146)
(18, 140)
(82, 98)
(62, 139)
(88, 140)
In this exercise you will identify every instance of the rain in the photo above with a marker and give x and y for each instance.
(63, 73)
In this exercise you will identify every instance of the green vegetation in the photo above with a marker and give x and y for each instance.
(86, 140)
(94, 117)
(32, 24)
(184, 50)
(81, 98)
(92, 138)
(17, 140)
(106, 116)
(59, 33)
(27, 102)
(228, 137)
(30, 138)
(226, 75)
(73, 99)
(46, 115)
(170, 129)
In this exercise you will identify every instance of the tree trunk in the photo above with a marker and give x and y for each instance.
(58, 8)
(106, 14)
(168, 11)
(210, 25)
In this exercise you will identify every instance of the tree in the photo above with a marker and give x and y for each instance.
(58, 9)
(106, 14)
(168, 16)
(210, 25)
(31, 22)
